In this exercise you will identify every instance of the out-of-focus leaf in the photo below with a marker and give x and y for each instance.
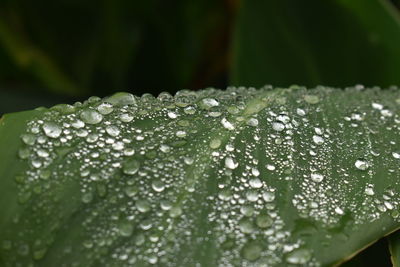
(113, 44)
(312, 42)
(241, 177)
(32, 60)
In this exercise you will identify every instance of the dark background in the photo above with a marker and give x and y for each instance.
(67, 50)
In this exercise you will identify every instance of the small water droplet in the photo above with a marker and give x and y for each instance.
(143, 205)
(361, 164)
(52, 130)
(396, 155)
(264, 221)
(91, 116)
(208, 103)
(318, 139)
(278, 126)
(131, 167)
(311, 99)
(255, 183)
(113, 130)
(175, 212)
(316, 177)
(158, 186)
(268, 196)
(215, 143)
(125, 228)
(227, 125)
(230, 163)
(251, 251)
(299, 256)
(105, 108)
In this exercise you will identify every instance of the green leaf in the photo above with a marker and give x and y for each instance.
(394, 246)
(337, 43)
(237, 177)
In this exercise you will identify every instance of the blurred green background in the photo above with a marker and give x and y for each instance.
(68, 50)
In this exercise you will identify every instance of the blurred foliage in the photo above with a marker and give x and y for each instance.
(67, 50)
(81, 48)
(334, 42)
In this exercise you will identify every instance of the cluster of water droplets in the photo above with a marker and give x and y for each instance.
(207, 177)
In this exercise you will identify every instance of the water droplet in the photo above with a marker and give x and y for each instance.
(230, 163)
(311, 99)
(299, 256)
(131, 167)
(264, 221)
(52, 130)
(270, 167)
(227, 125)
(255, 183)
(316, 177)
(361, 164)
(339, 211)
(125, 228)
(246, 226)
(300, 112)
(165, 204)
(143, 205)
(113, 130)
(318, 139)
(251, 251)
(252, 122)
(158, 186)
(105, 108)
(175, 211)
(28, 139)
(125, 117)
(396, 155)
(91, 116)
(369, 191)
(181, 134)
(377, 106)
(208, 103)
(278, 126)
(172, 115)
(215, 143)
(268, 196)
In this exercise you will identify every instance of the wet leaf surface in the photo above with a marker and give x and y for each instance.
(240, 177)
